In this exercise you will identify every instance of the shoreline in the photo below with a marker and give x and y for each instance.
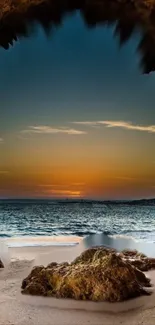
(73, 242)
(41, 241)
(16, 309)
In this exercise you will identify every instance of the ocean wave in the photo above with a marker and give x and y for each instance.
(123, 236)
(119, 242)
(44, 220)
(39, 241)
(5, 236)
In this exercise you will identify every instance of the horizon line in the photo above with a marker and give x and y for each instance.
(77, 199)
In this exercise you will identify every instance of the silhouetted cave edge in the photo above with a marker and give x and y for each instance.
(50, 13)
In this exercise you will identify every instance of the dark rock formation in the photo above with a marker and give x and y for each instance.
(1, 264)
(98, 274)
(132, 254)
(94, 253)
(144, 264)
(139, 260)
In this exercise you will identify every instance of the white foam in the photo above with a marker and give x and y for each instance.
(125, 237)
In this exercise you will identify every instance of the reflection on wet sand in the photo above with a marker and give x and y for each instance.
(127, 18)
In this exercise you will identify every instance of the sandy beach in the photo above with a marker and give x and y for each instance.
(16, 309)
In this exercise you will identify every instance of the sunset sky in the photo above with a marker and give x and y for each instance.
(77, 117)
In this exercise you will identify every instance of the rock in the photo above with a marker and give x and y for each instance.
(144, 264)
(133, 253)
(98, 274)
(93, 253)
(35, 271)
(139, 260)
(1, 264)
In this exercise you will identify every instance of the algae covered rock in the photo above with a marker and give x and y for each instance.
(135, 258)
(1, 264)
(139, 260)
(133, 253)
(144, 264)
(91, 254)
(97, 274)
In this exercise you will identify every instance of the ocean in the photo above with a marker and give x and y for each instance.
(40, 220)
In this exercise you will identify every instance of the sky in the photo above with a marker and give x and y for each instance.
(77, 117)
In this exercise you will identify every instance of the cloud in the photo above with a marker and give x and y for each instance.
(49, 185)
(61, 185)
(1, 140)
(119, 124)
(64, 193)
(44, 129)
(4, 172)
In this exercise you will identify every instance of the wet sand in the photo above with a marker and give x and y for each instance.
(16, 309)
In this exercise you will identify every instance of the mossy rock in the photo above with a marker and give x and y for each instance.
(133, 253)
(144, 264)
(139, 260)
(92, 254)
(96, 275)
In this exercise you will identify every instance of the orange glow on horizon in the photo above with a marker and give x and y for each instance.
(76, 169)
(93, 184)
(63, 193)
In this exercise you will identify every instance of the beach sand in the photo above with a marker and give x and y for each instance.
(17, 309)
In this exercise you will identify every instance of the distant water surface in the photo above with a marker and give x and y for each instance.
(51, 218)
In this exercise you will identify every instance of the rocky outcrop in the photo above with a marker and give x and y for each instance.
(135, 258)
(132, 254)
(144, 264)
(139, 260)
(98, 274)
(1, 264)
(92, 254)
